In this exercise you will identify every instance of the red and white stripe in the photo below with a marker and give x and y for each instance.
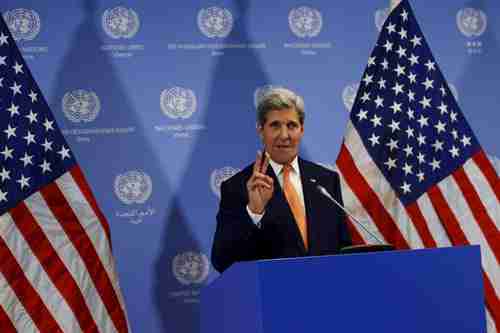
(463, 209)
(57, 272)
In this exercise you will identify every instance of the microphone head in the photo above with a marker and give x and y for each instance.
(320, 188)
(323, 190)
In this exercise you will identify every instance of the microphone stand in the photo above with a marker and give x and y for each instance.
(381, 246)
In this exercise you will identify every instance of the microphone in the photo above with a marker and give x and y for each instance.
(381, 246)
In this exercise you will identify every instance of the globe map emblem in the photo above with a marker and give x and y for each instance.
(215, 22)
(133, 187)
(471, 22)
(178, 102)
(190, 267)
(120, 22)
(220, 175)
(23, 23)
(380, 16)
(349, 94)
(81, 105)
(305, 21)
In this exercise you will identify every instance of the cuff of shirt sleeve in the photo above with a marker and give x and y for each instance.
(255, 217)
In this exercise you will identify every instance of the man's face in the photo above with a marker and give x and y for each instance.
(281, 135)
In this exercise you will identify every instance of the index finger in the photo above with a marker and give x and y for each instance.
(265, 163)
(258, 162)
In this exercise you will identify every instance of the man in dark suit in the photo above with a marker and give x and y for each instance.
(272, 208)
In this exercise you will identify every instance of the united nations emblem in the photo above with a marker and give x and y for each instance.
(305, 21)
(471, 22)
(190, 267)
(133, 187)
(120, 22)
(178, 102)
(260, 92)
(81, 105)
(220, 175)
(349, 94)
(380, 16)
(215, 22)
(23, 23)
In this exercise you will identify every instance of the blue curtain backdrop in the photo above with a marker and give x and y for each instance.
(157, 99)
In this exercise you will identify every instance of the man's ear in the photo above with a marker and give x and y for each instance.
(259, 129)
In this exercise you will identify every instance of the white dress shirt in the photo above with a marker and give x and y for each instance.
(294, 179)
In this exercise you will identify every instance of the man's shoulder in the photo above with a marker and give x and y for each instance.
(321, 175)
(316, 168)
(240, 178)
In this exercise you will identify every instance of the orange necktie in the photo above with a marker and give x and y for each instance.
(295, 204)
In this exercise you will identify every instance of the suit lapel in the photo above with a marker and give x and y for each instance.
(310, 200)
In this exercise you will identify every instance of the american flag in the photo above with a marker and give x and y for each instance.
(56, 268)
(411, 167)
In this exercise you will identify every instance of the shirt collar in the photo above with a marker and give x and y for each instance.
(277, 168)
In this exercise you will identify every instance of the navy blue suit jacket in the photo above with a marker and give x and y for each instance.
(237, 238)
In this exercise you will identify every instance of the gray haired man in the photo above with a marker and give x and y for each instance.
(272, 209)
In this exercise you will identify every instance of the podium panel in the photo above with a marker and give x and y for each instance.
(429, 290)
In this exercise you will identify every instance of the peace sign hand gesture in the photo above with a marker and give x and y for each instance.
(260, 186)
